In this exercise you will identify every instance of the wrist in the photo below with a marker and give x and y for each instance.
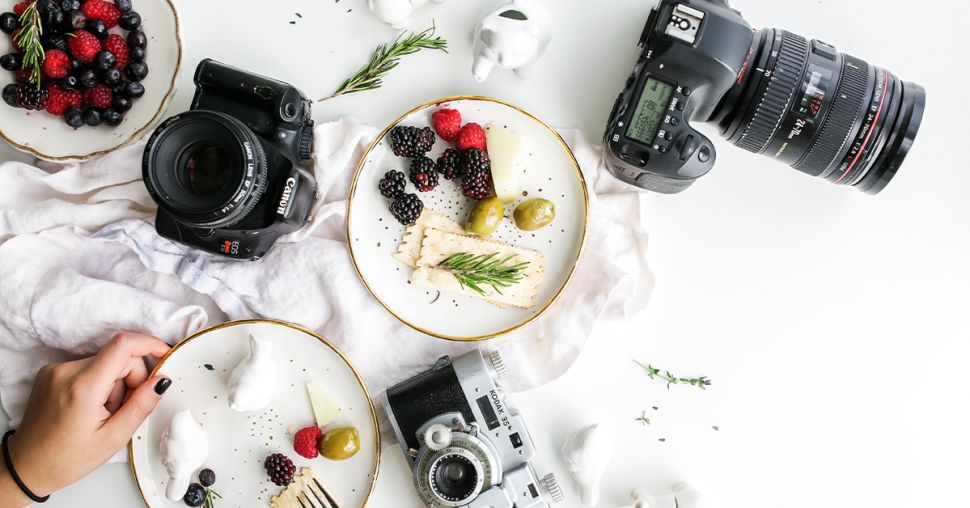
(23, 468)
(10, 494)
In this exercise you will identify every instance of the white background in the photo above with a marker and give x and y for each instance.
(832, 323)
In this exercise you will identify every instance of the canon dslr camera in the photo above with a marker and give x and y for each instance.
(465, 444)
(770, 91)
(227, 175)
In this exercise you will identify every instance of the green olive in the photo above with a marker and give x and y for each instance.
(533, 214)
(340, 444)
(485, 217)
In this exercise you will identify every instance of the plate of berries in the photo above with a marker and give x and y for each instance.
(258, 413)
(81, 78)
(467, 217)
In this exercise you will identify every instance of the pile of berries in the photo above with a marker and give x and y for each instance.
(199, 492)
(93, 63)
(405, 207)
(469, 159)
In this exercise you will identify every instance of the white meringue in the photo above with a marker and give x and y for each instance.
(587, 453)
(184, 448)
(252, 383)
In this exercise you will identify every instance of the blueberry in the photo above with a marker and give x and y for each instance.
(92, 117)
(130, 20)
(137, 39)
(113, 117)
(121, 103)
(70, 83)
(136, 54)
(74, 117)
(9, 22)
(118, 88)
(10, 94)
(76, 19)
(111, 76)
(123, 5)
(136, 71)
(207, 477)
(195, 495)
(97, 28)
(46, 5)
(55, 41)
(87, 78)
(70, 5)
(11, 61)
(104, 60)
(54, 18)
(134, 90)
(75, 64)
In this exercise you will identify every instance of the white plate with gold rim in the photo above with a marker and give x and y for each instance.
(550, 171)
(239, 442)
(48, 137)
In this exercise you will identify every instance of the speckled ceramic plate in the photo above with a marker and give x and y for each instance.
(48, 137)
(549, 171)
(238, 442)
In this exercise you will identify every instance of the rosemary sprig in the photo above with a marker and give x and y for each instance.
(28, 38)
(210, 498)
(386, 57)
(474, 271)
(654, 373)
(643, 419)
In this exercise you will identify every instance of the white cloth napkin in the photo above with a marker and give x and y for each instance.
(80, 260)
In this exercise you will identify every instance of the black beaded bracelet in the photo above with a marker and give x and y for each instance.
(13, 473)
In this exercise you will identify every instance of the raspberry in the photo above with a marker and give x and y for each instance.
(306, 440)
(407, 208)
(84, 45)
(280, 469)
(56, 64)
(448, 163)
(424, 174)
(118, 47)
(106, 12)
(59, 100)
(411, 141)
(98, 96)
(471, 136)
(392, 185)
(476, 174)
(19, 8)
(447, 123)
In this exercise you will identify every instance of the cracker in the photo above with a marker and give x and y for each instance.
(304, 491)
(410, 248)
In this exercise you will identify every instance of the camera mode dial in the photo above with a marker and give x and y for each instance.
(552, 488)
(498, 364)
(437, 437)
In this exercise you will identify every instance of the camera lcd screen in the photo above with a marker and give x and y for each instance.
(650, 110)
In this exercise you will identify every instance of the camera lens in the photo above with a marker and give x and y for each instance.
(205, 168)
(455, 478)
(823, 112)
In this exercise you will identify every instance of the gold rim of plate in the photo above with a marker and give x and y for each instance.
(137, 134)
(582, 241)
(323, 340)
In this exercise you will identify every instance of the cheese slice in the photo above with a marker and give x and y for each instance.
(410, 247)
(325, 408)
(439, 245)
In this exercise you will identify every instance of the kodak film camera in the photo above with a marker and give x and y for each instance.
(227, 174)
(770, 91)
(465, 444)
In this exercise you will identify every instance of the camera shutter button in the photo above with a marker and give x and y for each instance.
(437, 437)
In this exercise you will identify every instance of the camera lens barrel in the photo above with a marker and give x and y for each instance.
(823, 112)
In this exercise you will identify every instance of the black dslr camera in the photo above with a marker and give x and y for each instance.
(227, 175)
(770, 91)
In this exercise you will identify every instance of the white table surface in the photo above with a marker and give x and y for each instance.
(834, 324)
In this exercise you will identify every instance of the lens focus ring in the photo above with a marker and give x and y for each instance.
(787, 71)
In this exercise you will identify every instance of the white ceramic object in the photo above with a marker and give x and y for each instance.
(253, 382)
(550, 171)
(513, 34)
(183, 448)
(396, 13)
(586, 454)
(48, 137)
(682, 496)
(238, 443)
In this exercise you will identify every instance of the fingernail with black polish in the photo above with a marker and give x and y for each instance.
(162, 385)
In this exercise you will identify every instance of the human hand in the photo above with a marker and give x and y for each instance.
(81, 413)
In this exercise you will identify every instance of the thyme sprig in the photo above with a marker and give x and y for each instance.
(474, 271)
(28, 38)
(386, 57)
(655, 373)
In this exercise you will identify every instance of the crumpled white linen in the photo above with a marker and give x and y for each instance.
(80, 260)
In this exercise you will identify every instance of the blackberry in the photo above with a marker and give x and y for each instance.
(10, 95)
(423, 174)
(195, 496)
(29, 97)
(449, 163)
(392, 185)
(411, 141)
(280, 469)
(476, 174)
(207, 477)
(407, 208)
